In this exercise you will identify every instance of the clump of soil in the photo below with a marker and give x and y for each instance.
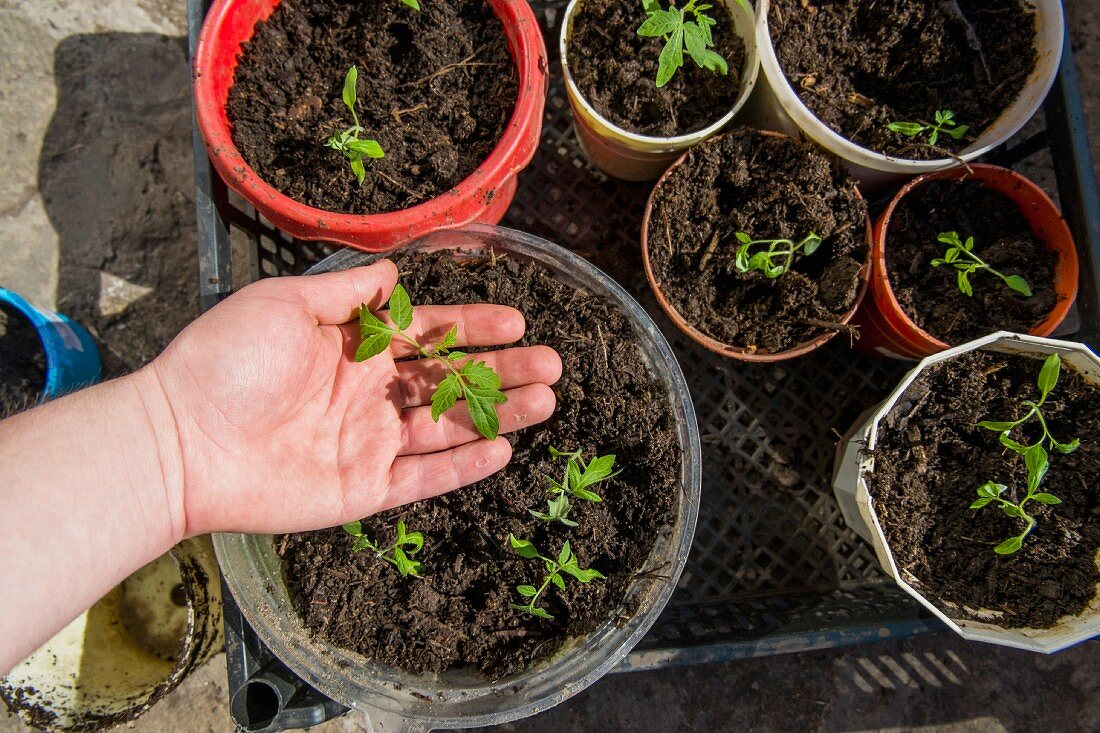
(616, 71)
(436, 90)
(930, 459)
(22, 362)
(931, 296)
(459, 613)
(770, 188)
(861, 64)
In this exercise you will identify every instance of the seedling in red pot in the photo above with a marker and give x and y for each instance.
(945, 123)
(556, 570)
(474, 381)
(680, 33)
(1048, 379)
(577, 481)
(348, 142)
(960, 255)
(777, 258)
(990, 492)
(399, 554)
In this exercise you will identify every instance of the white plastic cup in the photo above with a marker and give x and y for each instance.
(856, 461)
(628, 155)
(776, 106)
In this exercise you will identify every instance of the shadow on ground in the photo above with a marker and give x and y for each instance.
(116, 176)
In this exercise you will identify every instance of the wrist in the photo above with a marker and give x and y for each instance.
(162, 431)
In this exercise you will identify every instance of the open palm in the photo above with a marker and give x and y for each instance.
(281, 430)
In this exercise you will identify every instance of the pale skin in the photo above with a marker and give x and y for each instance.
(255, 419)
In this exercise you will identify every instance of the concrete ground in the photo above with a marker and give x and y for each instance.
(96, 218)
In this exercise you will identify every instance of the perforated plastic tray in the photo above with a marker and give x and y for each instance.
(773, 567)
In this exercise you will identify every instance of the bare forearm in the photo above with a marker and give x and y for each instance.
(90, 489)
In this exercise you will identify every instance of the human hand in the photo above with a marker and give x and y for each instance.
(280, 430)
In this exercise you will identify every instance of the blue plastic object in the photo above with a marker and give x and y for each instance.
(72, 358)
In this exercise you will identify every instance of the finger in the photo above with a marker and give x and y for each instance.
(526, 405)
(334, 297)
(479, 324)
(413, 478)
(516, 367)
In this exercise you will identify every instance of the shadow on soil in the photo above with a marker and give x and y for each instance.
(116, 176)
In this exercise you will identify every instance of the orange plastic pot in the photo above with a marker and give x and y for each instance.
(719, 347)
(483, 196)
(886, 330)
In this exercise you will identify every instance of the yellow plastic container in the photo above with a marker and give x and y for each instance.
(634, 157)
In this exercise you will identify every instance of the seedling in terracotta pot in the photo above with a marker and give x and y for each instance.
(777, 258)
(680, 33)
(971, 263)
(474, 381)
(1048, 379)
(405, 545)
(1037, 465)
(945, 123)
(579, 477)
(556, 570)
(348, 142)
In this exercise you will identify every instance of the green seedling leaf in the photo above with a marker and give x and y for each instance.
(373, 345)
(449, 339)
(355, 529)
(481, 403)
(1067, 447)
(981, 502)
(1037, 465)
(355, 162)
(1048, 376)
(401, 310)
(412, 4)
(997, 425)
(527, 591)
(445, 395)
(660, 23)
(945, 123)
(351, 79)
(1009, 546)
(523, 548)
(406, 544)
(911, 129)
(777, 259)
(557, 580)
(671, 58)
(1049, 499)
(479, 375)
(369, 148)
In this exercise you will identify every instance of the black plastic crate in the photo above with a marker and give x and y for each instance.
(773, 568)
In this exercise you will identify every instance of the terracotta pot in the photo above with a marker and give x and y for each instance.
(483, 196)
(885, 328)
(719, 347)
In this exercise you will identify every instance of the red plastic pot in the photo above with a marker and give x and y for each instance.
(713, 344)
(483, 196)
(886, 330)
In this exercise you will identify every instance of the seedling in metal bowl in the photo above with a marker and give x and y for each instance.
(474, 381)
(680, 33)
(1048, 379)
(404, 546)
(348, 142)
(945, 123)
(556, 570)
(1037, 465)
(960, 255)
(777, 258)
(578, 480)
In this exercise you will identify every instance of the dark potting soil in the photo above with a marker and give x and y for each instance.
(930, 459)
(459, 613)
(616, 71)
(436, 90)
(931, 296)
(22, 362)
(861, 64)
(769, 188)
